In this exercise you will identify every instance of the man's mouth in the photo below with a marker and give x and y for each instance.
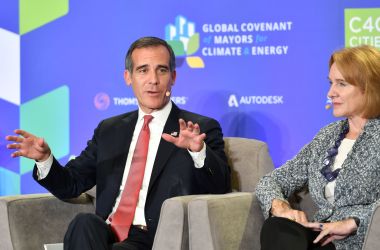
(153, 92)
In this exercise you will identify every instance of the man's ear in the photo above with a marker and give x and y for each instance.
(127, 77)
(174, 76)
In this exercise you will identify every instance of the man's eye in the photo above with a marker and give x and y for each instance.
(142, 70)
(163, 70)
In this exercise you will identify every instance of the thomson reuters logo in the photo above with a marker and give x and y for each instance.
(102, 101)
(234, 101)
(184, 40)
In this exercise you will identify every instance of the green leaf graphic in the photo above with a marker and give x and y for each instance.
(193, 45)
(178, 47)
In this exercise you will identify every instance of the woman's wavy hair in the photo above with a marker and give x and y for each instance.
(360, 66)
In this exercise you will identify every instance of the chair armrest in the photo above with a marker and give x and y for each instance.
(29, 221)
(172, 230)
(371, 241)
(229, 221)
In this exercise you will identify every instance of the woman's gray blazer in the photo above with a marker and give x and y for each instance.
(357, 186)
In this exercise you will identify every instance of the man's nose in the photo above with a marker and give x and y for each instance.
(153, 78)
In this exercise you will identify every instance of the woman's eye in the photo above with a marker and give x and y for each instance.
(343, 84)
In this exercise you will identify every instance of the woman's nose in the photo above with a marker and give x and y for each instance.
(331, 93)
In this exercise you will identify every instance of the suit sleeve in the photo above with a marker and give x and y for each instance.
(215, 175)
(78, 175)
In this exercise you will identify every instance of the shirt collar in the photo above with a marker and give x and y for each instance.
(160, 115)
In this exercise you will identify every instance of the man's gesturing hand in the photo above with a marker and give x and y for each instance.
(189, 136)
(28, 145)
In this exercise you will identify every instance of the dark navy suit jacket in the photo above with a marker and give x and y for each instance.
(102, 164)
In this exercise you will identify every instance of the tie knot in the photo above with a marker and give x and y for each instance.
(147, 120)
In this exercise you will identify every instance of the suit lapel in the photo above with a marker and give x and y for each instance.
(165, 149)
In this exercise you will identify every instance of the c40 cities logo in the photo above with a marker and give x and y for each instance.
(184, 41)
(362, 26)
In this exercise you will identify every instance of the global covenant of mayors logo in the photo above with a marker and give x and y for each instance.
(184, 41)
(362, 26)
(247, 38)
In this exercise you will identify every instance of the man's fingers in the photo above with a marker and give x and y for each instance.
(15, 154)
(182, 124)
(201, 137)
(169, 138)
(197, 129)
(13, 146)
(23, 133)
(18, 153)
(41, 142)
(190, 126)
(14, 138)
(198, 143)
(11, 138)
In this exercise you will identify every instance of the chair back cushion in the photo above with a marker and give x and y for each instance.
(249, 161)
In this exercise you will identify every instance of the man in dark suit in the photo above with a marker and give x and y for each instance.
(185, 155)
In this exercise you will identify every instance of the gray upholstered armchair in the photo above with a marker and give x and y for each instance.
(233, 221)
(29, 221)
(249, 160)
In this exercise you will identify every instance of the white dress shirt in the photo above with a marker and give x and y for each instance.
(156, 127)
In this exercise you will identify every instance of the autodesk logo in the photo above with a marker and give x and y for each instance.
(184, 41)
(232, 101)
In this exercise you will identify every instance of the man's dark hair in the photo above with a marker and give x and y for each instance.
(145, 42)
